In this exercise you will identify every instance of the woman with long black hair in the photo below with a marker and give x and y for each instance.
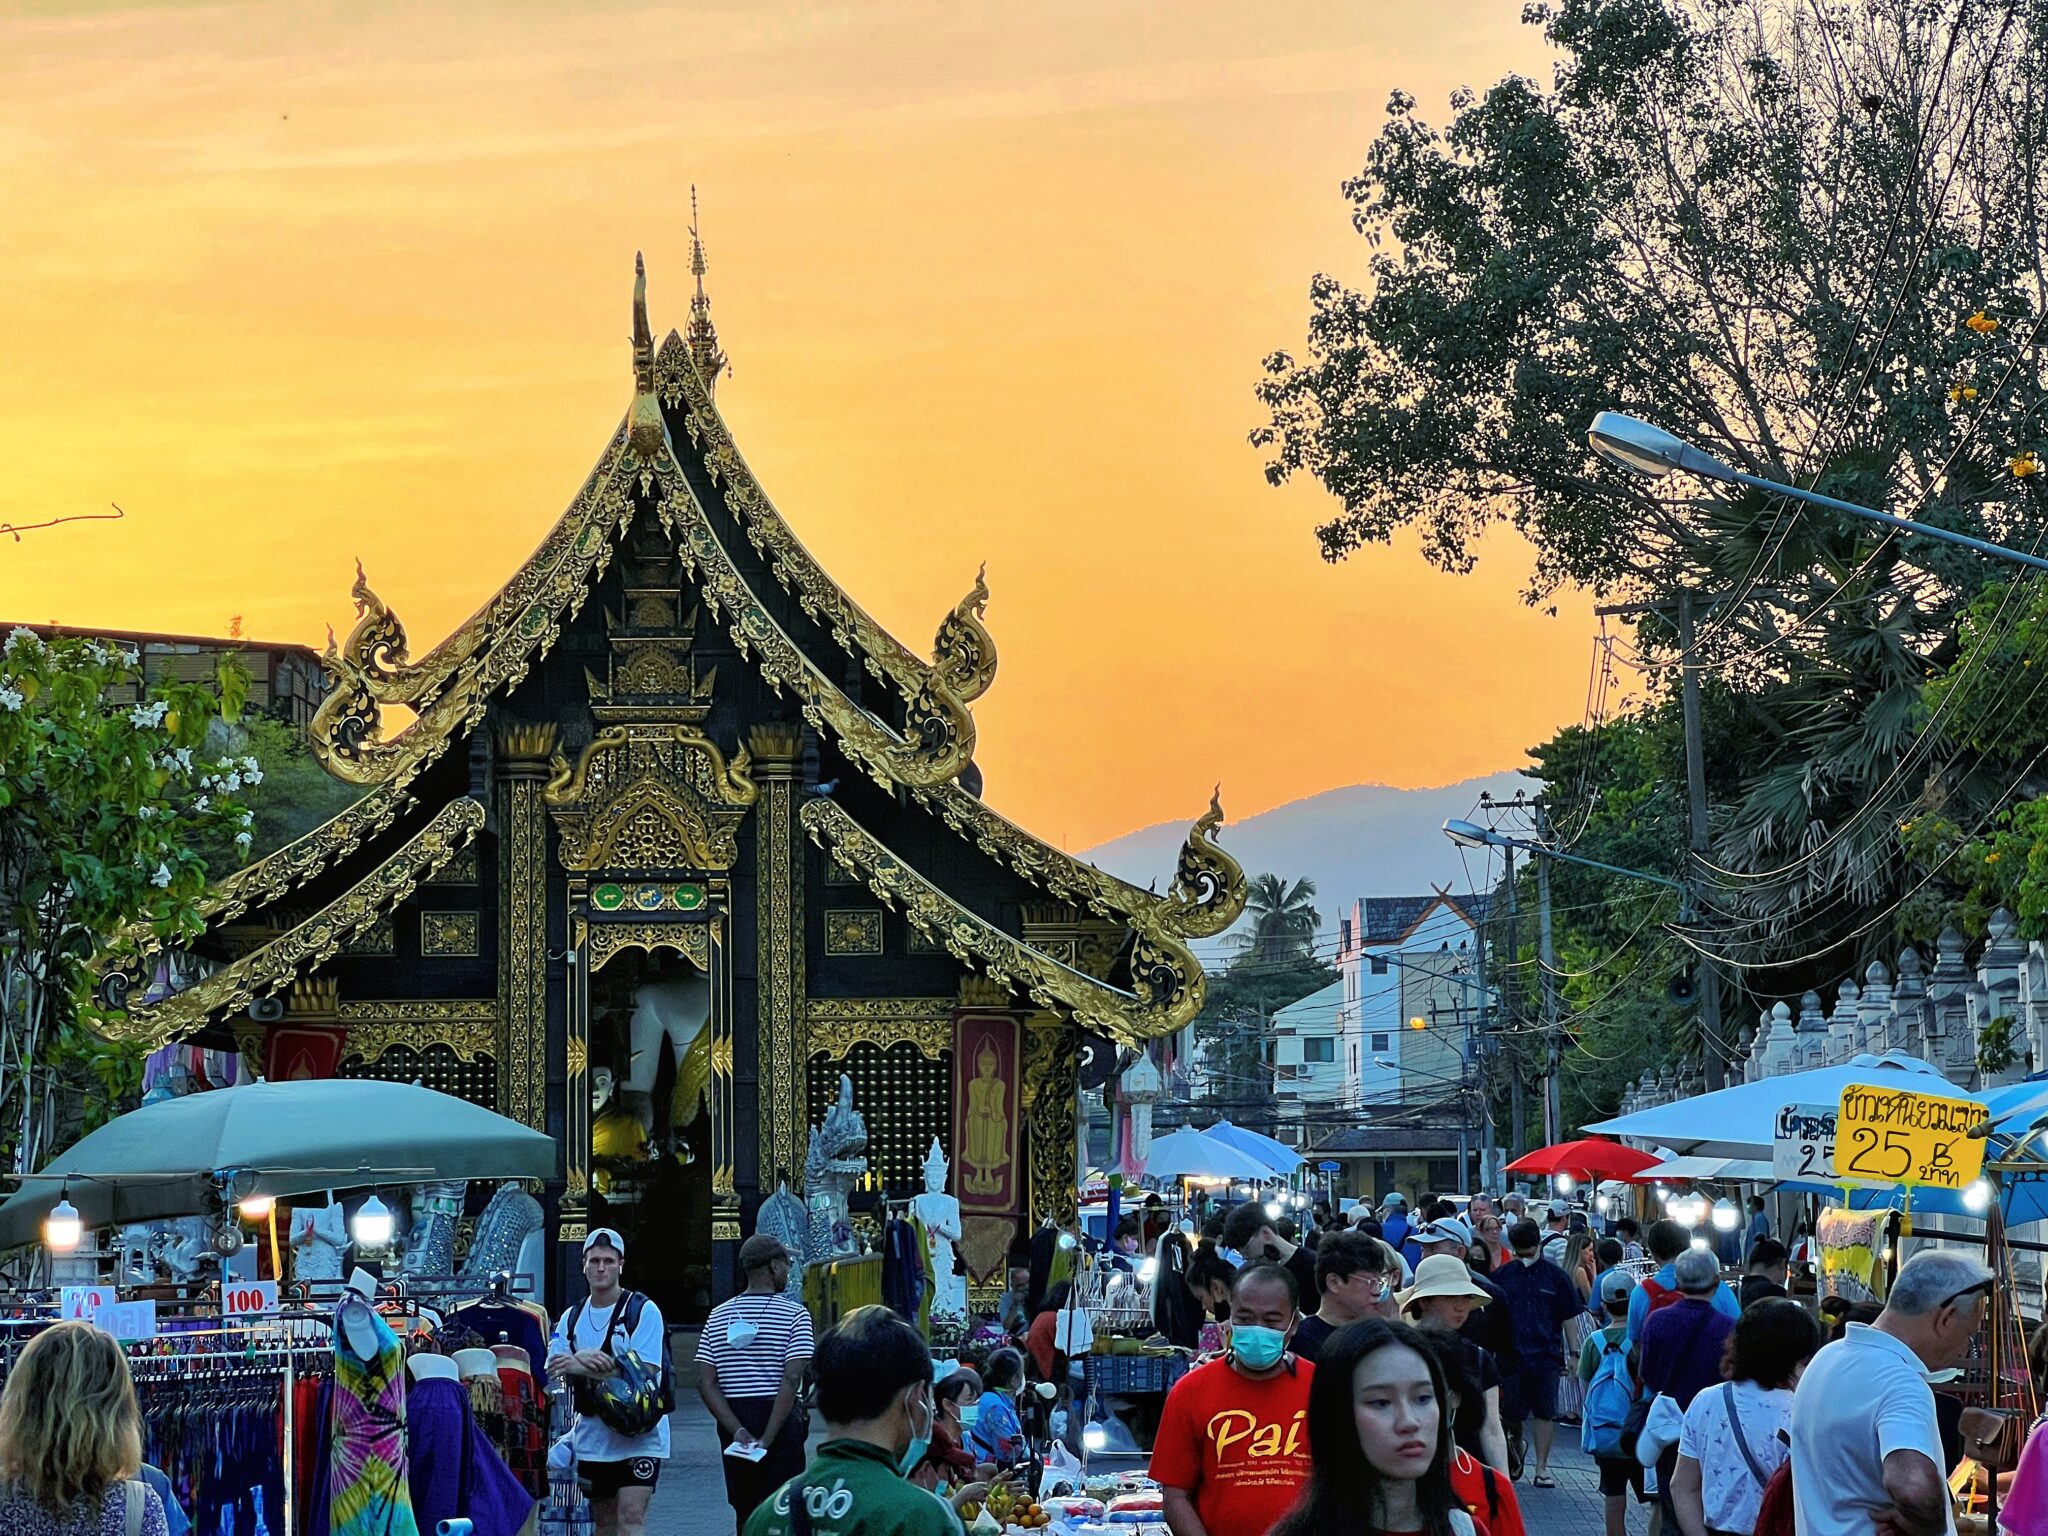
(1379, 1441)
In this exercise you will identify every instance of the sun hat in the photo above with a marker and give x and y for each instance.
(1441, 1274)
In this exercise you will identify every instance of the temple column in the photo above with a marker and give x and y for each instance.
(779, 968)
(1052, 1058)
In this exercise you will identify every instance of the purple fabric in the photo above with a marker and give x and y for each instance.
(455, 1470)
(1682, 1346)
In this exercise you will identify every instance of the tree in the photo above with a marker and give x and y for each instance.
(102, 805)
(1283, 921)
(1234, 1025)
(295, 795)
(1808, 238)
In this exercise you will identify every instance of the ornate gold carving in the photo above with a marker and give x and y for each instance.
(1208, 886)
(528, 741)
(571, 1231)
(271, 966)
(456, 935)
(681, 387)
(782, 1035)
(690, 940)
(838, 1024)
(646, 435)
(964, 652)
(1052, 1054)
(426, 1010)
(853, 931)
(460, 870)
(723, 1140)
(578, 1057)
(651, 797)
(936, 740)
(450, 688)
(979, 991)
(313, 998)
(411, 1026)
(522, 944)
(380, 938)
(1167, 982)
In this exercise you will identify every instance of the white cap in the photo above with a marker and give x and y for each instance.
(606, 1236)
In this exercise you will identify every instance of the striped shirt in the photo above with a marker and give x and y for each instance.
(752, 1366)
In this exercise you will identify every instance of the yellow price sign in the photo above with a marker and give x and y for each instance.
(1896, 1136)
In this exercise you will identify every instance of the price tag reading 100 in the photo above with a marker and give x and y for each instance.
(1894, 1136)
(248, 1298)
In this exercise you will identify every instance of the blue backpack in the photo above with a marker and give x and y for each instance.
(1604, 1422)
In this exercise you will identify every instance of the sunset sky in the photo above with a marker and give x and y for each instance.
(295, 283)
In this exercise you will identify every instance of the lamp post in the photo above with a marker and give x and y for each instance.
(1654, 453)
(1469, 834)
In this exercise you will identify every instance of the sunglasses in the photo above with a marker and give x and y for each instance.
(1983, 1286)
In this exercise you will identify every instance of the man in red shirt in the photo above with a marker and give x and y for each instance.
(1232, 1449)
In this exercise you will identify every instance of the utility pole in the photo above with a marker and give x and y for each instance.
(1518, 1108)
(1553, 1050)
(1696, 817)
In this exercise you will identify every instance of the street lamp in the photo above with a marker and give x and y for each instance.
(372, 1224)
(1653, 453)
(63, 1228)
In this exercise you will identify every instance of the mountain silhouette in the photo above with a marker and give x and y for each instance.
(1361, 840)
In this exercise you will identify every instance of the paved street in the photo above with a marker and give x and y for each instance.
(691, 1498)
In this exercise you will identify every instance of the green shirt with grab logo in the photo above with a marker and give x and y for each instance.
(854, 1489)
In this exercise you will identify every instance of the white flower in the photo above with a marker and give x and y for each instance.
(162, 877)
(129, 656)
(99, 653)
(183, 757)
(251, 774)
(144, 812)
(247, 818)
(148, 716)
(201, 803)
(231, 783)
(243, 839)
(22, 638)
(11, 699)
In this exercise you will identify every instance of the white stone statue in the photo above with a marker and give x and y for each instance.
(940, 1213)
(319, 1240)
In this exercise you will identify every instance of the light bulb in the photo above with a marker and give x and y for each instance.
(372, 1224)
(1066, 1239)
(1700, 1243)
(1978, 1197)
(1147, 1268)
(1094, 1437)
(1668, 1201)
(63, 1228)
(255, 1208)
(1274, 1210)
(1602, 1205)
(1726, 1217)
(1565, 1183)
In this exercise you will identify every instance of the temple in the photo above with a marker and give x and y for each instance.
(663, 840)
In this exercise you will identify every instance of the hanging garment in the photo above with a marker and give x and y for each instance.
(526, 1430)
(903, 1264)
(368, 1495)
(508, 1322)
(454, 1470)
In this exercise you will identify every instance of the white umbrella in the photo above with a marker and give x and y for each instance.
(1741, 1121)
(1189, 1154)
(1748, 1169)
(1276, 1155)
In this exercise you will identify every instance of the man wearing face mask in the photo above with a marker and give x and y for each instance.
(751, 1358)
(874, 1377)
(1249, 1230)
(1232, 1451)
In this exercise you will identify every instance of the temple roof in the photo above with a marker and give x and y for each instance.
(673, 461)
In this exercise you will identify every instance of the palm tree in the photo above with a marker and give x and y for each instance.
(1283, 921)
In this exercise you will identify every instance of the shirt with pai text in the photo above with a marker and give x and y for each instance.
(1239, 1447)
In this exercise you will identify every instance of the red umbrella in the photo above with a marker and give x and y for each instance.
(1588, 1158)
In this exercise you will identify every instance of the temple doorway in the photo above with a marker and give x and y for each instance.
(650, 1127)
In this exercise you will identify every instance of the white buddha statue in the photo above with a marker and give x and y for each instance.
(940, 1213)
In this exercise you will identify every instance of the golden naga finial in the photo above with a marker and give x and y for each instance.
(1208, 884)
(964, 652)
(645, 435)
(702, 336)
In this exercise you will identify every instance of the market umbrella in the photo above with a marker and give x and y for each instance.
(1189, 1154)
(1276, 1155)
(1588, 1158)
(170, 1158)
(1741, 1121)
(1742, 1169)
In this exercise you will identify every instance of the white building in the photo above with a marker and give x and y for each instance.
(1408, 969)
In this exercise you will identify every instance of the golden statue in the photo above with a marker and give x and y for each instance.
(987, 1153)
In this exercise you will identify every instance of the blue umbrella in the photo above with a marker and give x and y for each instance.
(1276, 1155)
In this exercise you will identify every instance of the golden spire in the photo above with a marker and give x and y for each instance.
(645, 432)
(702, 335)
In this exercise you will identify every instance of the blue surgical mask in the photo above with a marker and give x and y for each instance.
(969, 1412)
(1257, 1349)
(919, 1444)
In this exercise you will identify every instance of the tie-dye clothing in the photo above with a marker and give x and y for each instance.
(369, 1494)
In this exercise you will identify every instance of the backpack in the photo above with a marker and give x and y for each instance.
(1774, 1517)
(1610, 1395)
(631, 1398)
(1661, 1296)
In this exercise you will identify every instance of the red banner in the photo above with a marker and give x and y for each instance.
(986, 1113)
(296, 1052)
